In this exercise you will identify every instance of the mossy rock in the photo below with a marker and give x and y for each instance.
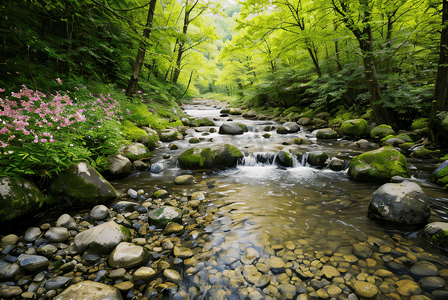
(319, 122)
(224, 111)
(266, 135)
(379, 165)
(298, 154)
(193, 141)
(356, 127)
(219, 156)
(168, 135)
(243, 127)
(440, 175)
(422, 152)
(284, 159)
(17, 197)
(204, 122)
(436, 233)
(326, 133)
(382, 131)
(420, 123)
(405, 137)
(406, 146)
(132, 132)
(161, 216)
(136, 151)
(82, 185)
(317, 158)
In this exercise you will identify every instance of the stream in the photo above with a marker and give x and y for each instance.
(264, 207)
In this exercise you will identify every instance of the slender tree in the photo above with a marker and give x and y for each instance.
(441, 85)
(138, 64)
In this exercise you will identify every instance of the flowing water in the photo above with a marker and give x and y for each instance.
(261, 202)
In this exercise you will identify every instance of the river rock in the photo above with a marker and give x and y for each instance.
(127, 255)
(288, 127)
(440, 175)
(424, 268)
(408, 288)
(362, 250)
(9, 239)
(326, 133)
(99, 212)
(161, 194)
(378, 165)
(136, 151)
(57, 282)
(251, 114)
(102, 239)
(66, 221)
(10, 291)
(365, 289)
(90, 290)
(230, 128)
(197, 196)
(337, 164)
(381, 131)
(82, 185)
(437, 234)
(182, 252)
(143, 273)
(317, 158)
(9, 271)
(172, 276)
(225, 156)
(276, 265)
(32, 234)
(304, 121)
(157, 167)
(401, 203)
(431, 283)
(169, 135)
(184, 180)
(33, 262)
(163, 215)
(120, 165)
(57, 234)
(284, 159)
(356, 127)
(17, 197)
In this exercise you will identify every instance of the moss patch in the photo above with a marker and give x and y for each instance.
(420, 123)
(242, 126)
(357, 127)
(382, 131)
(132, 132)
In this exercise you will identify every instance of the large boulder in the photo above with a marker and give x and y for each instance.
(356, 127)
(17, 197)
(400, 203)
(90, 290)
(440, 175)
(82, 185)
(136, 151)
(127, 255)
(231, 128)
(378, 165)
(169, 135)
(101, 239)
(288, 127)
(251, 114)
(317, 158)
(218, 156)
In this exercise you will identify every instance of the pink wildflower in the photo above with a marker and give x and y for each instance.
(59, 80)
(1, 90)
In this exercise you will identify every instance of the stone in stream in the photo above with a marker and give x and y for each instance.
(169, 135)
(326, 133)
(337, 164)
(136, 151)
(127, 255)
(90, 290)
(288, 127)
(432, 283)
(9, 271)
(163, 215)
(424, 268)
(436, 233)
(284, 159)
(32, 234)
(230, 128)
(356, 127)
(379, 165)
(221, 155)
(440, 175)
(102, 239)
(184, 180)
(381, 131)
(317, 158)
(82, 185)
(120, 165)
(400, 203)
(18, 196)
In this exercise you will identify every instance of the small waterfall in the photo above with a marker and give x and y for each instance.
(259, 158)
(304, 159)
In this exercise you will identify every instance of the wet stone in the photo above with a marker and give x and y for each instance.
(276, 265)
(143, 273)
(56, 283)
(172, 276)
(9, 271)
(99, 212)
(57, 234)
(182, 252)
(408, 288)
(33, 262)
(362, 250)
(432, 283)
(10, 291)
(424, 268)
(287, 290)
(32, 234)
(365, 289)
(124, 286)
(10, 239)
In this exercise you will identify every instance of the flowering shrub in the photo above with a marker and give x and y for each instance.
(44, 134)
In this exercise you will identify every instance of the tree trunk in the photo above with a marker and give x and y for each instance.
(181, 44)
(382, 115)
(441, 85)
(132, 86)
